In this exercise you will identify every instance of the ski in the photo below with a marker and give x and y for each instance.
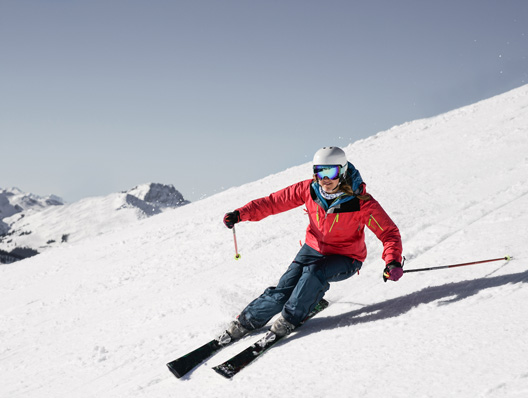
(234, 365)
(183, 365)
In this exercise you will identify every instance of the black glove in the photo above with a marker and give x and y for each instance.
(230, 219)
(392, 271)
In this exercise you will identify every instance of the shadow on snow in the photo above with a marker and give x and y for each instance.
(444, 295)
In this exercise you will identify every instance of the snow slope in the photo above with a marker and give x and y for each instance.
(102, 317)
(42, 228)
(13, 201)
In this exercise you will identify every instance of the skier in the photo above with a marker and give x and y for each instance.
(338, 208)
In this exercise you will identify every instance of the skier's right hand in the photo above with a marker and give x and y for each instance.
(230, 219)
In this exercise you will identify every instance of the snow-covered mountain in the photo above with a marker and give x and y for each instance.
(14, 201)
(36, 223)
(102, 317)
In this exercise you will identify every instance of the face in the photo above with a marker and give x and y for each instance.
(328, 185)
(327, 176)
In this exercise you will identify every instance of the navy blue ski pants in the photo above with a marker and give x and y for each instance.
(301, 287)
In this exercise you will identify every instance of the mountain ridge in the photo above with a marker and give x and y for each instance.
(34, 224)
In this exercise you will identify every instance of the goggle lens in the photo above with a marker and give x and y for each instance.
(331, 172)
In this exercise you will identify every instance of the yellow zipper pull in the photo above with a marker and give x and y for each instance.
(373, 219)
(336, 219)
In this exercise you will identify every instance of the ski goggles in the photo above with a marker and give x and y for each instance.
(332, 172)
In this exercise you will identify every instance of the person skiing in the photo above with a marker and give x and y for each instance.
(338, 208)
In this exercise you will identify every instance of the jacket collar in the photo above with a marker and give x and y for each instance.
(321, 201)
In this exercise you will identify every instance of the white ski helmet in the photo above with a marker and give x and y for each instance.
(331, 156)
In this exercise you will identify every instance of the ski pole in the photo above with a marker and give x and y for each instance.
(237, 255)
(507, 258)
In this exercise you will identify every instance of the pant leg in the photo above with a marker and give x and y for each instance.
(272, 301)
(314, 282)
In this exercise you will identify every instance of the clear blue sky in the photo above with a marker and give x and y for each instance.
(99, 96)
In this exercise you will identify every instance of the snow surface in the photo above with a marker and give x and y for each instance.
(44, 227)
(13, 201)
(102, 317)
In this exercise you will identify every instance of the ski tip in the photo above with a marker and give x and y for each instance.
(508, 258)
(174, 370)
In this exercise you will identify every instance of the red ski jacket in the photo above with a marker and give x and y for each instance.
(337, 228)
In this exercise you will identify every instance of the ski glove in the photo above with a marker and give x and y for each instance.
(230, 219)
(392, 271)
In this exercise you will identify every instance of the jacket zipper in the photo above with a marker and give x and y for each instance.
(336, 219)
(373, 219)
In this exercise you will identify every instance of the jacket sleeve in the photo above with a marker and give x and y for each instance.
(378, 221)
(278, 202)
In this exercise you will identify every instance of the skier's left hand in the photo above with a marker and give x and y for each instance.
(392, 271)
